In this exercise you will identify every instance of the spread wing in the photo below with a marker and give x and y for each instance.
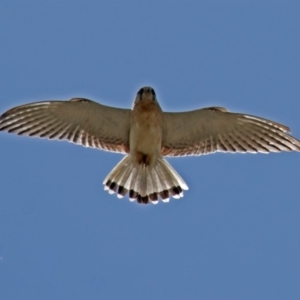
(78, 120)
(213, 129)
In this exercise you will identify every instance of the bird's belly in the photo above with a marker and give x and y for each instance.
(145, 139)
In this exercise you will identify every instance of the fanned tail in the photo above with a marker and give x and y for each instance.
(145, 183)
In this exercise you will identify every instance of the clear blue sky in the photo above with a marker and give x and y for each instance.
(235, 234)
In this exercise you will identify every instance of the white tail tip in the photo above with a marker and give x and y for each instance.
(145, 183)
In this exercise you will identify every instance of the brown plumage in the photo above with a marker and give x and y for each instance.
(145, 134)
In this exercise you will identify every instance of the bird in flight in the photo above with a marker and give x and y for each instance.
(145, 134)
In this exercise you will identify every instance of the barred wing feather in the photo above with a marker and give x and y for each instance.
(78, 120)
(213, 129)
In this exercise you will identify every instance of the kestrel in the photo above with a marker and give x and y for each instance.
(145, 134)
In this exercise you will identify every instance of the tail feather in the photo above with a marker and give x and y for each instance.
(172, 173)
(123, 181)
(155, 182)
(145, 183)
(131, 178)
(116, 171)
(161, 175)
(125, 177)
(149, 187)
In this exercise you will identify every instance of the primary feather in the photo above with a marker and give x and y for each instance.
(146, 134)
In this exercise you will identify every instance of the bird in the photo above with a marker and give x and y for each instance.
(145, 135)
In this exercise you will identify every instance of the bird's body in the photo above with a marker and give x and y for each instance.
(146, 127)
(145, 134)
(143, 172)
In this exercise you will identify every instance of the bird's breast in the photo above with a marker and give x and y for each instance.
(145, 135)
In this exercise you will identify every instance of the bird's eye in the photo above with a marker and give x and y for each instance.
(141, 91)
(153, 92)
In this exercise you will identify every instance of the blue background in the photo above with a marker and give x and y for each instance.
(235, 234)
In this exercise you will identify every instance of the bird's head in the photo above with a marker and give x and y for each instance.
(145, 93)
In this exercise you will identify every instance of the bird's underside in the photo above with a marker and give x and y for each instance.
(145, 134)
